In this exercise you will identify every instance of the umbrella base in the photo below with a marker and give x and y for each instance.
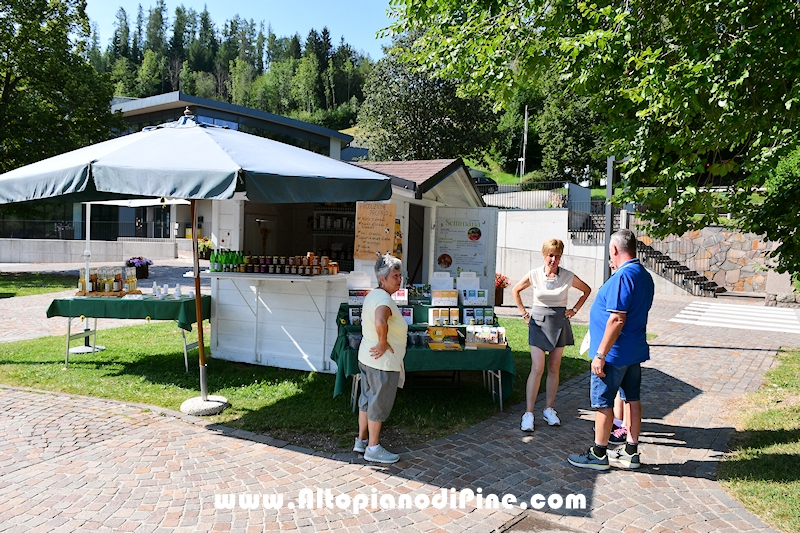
(86, 349)
(197, 407)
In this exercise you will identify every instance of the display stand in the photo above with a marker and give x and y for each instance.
(497, 364)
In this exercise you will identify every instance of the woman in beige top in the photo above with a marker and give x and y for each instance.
(549, 329)
(380, 359)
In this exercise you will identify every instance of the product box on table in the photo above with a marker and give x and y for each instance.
(473, 297)
(419, 294)
(400, 297)
(485, 337)
(443, 339)
(356, 296)
(445, 297)
(355, 316)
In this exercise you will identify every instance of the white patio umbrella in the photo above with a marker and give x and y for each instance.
(188, 160)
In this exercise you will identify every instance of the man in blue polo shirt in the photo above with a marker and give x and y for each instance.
(618, 338)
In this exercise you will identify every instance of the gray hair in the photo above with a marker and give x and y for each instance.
(625, 241)
(385, 264)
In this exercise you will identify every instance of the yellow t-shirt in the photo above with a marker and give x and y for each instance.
(552, 294)
(396, 337)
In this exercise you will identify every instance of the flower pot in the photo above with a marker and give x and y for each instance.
(498, 296)
(204, 254)
(142, 272)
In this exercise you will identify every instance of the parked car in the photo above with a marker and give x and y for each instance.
(485, 185)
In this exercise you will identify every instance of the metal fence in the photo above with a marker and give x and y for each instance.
(587, 221)
(538, 195)
(70, 230)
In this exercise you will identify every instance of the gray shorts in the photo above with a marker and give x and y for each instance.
(378, 391)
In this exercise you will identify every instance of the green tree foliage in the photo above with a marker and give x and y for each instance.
(51, 99)
(566, 128)
(409, 114)
(507, 147)
(696, 94)
(120, 41)
(236, 62)
(305, 83)
(204, 48)
(777, 217)
(155, 38)
(123, 75)
(150, 78)
(137, 41)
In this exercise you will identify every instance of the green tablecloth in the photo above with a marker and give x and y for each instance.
(422, 359)
(182, 311)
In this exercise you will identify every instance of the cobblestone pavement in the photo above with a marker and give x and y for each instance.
(71, 463)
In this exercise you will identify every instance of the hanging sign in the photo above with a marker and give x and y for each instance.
(375, 230)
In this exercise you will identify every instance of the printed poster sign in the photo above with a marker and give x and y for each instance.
(461, 245)
(375, 230)
(466, 241)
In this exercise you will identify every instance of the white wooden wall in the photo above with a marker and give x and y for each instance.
(296, 319)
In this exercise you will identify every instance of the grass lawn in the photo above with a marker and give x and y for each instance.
(763, 468)
(26, 283)
(144, 364)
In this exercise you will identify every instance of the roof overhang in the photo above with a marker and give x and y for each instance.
(442, 181)
(178, 100)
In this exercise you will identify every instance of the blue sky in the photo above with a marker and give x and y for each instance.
(358, 20)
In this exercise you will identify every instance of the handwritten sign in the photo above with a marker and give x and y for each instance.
(375, 230)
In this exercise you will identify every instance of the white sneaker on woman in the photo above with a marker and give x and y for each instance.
(527, 422)
(381, 455)
(551, 417)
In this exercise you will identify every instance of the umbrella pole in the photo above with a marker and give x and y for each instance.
(205, 404)
(198, 307)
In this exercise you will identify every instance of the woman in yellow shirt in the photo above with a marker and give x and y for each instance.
(380, 359)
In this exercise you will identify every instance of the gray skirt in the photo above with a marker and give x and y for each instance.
(549, 328)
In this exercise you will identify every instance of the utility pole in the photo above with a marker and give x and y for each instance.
(524, 147)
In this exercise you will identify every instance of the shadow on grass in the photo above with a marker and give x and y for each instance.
(756, 463)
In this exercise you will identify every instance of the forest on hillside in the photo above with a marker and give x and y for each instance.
(238, 61)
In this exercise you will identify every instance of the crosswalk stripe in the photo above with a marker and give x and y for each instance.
(735, 326)
(739, 317)
(687, 313)
(743, 309)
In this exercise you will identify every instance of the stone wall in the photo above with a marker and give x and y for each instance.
(784, 299)
(736, 261)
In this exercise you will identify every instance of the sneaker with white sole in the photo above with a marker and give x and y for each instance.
(527, 422)
(589, 460)
(628, 461)
(381, 455)
(360, 446)
(618, 436)
(551, 417)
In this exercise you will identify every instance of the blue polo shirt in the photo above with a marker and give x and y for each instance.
(630, 290)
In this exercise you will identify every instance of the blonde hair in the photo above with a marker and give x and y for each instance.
(553, 246)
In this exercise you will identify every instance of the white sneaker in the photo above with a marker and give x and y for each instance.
(527, 422)
(381, 455)
(360, 446)
(551, 417)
